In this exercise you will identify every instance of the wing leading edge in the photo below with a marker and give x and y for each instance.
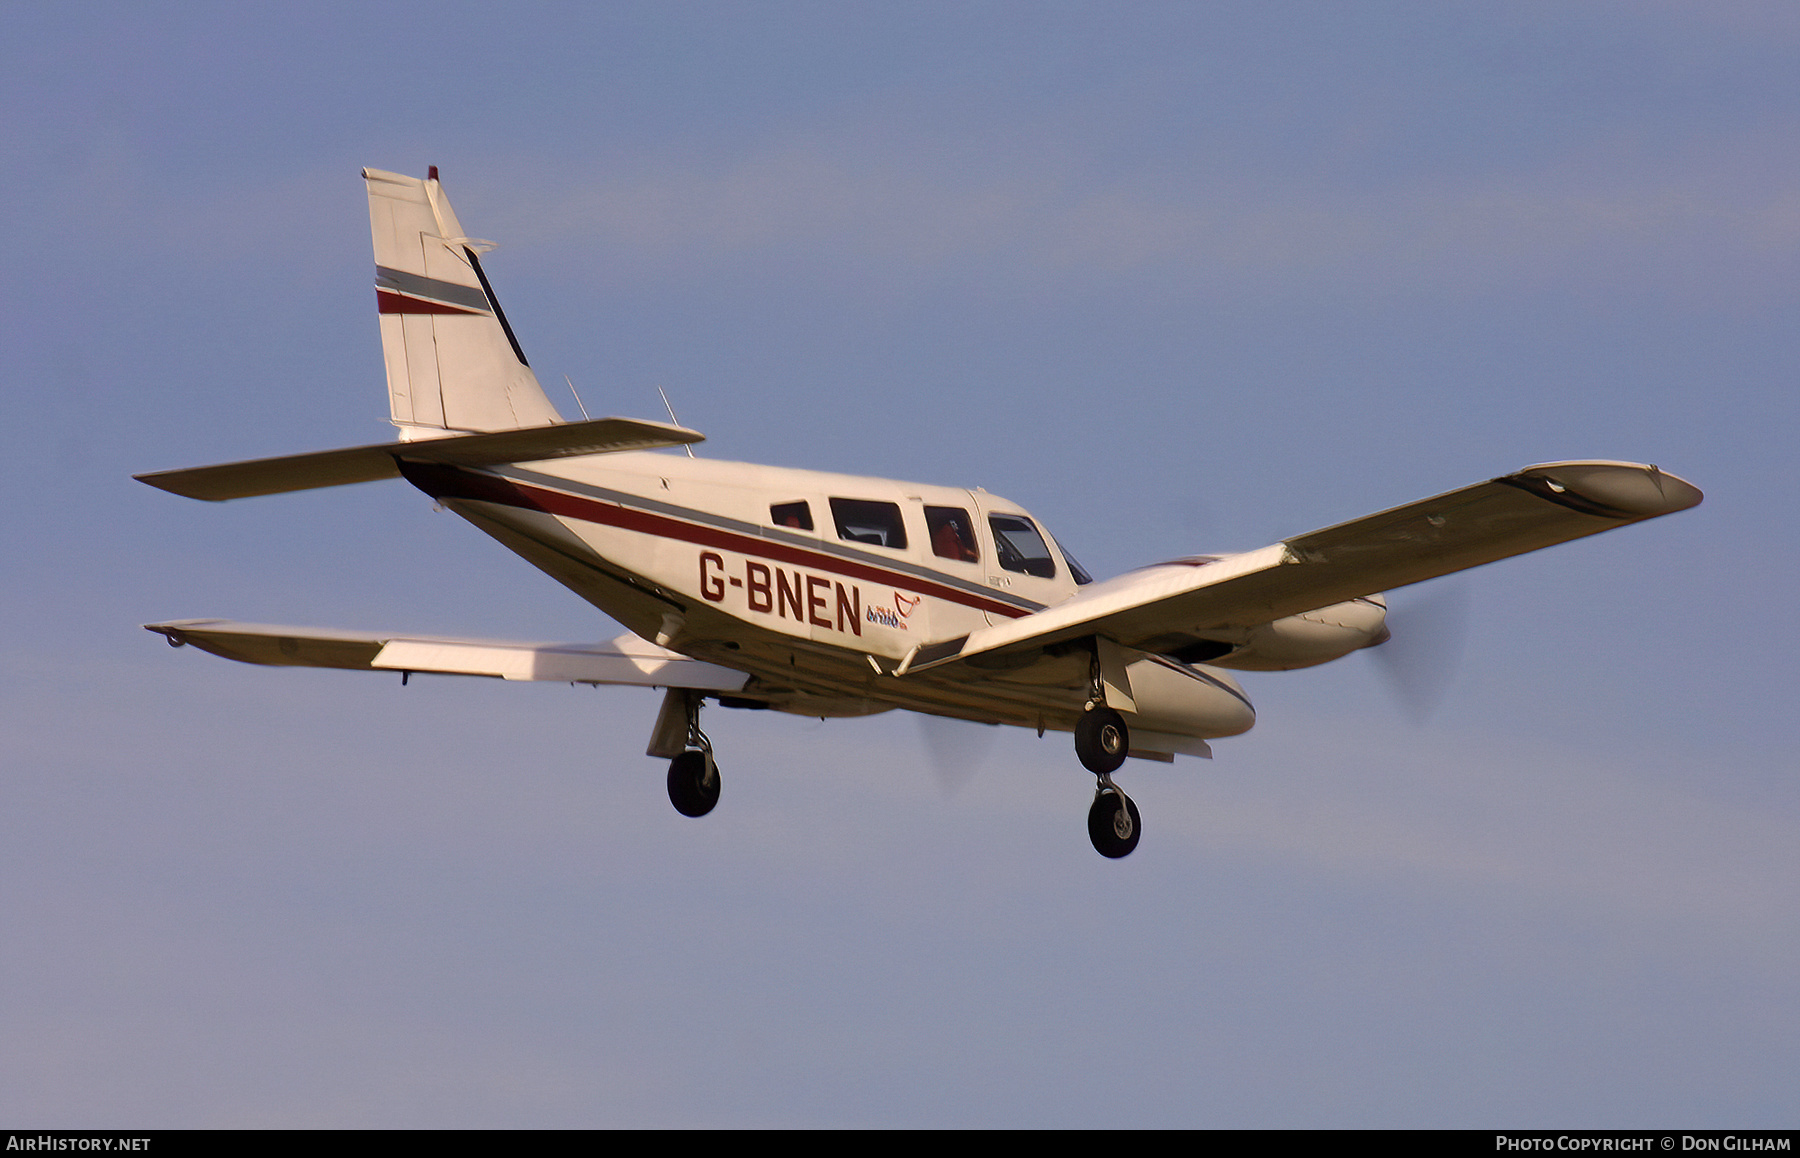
(1536, 507)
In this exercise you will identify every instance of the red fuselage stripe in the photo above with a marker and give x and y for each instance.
(449, 482)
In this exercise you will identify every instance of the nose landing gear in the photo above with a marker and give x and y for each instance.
(1101, 739)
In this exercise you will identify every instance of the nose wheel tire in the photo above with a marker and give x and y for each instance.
(1113, 824)
(693, 783)
(1102, 741)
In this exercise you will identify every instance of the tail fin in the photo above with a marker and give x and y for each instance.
(452, 361)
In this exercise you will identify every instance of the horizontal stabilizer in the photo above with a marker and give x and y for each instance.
(625, 660)
(357, 464)
(1190, 599)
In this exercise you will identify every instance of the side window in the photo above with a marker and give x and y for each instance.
(1020, 548)
(867, 521)
(952, 534)
(797, 516)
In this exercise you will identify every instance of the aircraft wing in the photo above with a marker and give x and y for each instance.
(1535, 507)
(625, 660)
(355, 464)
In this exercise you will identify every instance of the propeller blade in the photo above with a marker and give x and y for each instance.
(956, 748)
(1420, 659)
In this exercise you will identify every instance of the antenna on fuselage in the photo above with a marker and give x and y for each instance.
(676, 421)
(578, 402)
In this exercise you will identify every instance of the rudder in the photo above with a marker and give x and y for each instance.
(453, 363)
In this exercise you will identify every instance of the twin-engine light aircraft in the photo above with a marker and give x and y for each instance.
(836, 595)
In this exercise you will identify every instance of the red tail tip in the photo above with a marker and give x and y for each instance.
(431, 173)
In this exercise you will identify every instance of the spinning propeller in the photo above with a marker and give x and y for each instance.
(1418, 661)
(956, 748)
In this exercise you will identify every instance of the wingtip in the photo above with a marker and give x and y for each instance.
(1634, 488)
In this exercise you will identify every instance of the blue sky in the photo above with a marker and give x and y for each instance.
(1177, 278)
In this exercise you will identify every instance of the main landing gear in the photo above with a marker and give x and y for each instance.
(693, 776)
(694, 782)
(1102, 742)
(1113, 822)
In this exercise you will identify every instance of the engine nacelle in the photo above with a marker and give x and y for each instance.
(1185, 700)
(1308, 639)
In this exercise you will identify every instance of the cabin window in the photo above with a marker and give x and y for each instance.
(1076, 571)
(952, 534)
(797, 516)
(1020, 548)
(867, 521)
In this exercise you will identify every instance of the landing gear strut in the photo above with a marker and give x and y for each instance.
(1102, 741)
(1113, 823)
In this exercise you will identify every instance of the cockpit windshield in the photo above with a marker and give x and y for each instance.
(1076, 570)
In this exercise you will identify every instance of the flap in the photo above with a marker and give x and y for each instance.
(626, 660)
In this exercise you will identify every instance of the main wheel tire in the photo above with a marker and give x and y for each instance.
(693, 784)
(1113, 825)
(1102, 740)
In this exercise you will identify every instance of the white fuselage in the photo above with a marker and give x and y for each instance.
(821, 585)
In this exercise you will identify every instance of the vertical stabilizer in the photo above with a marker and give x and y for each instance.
(452, 361)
